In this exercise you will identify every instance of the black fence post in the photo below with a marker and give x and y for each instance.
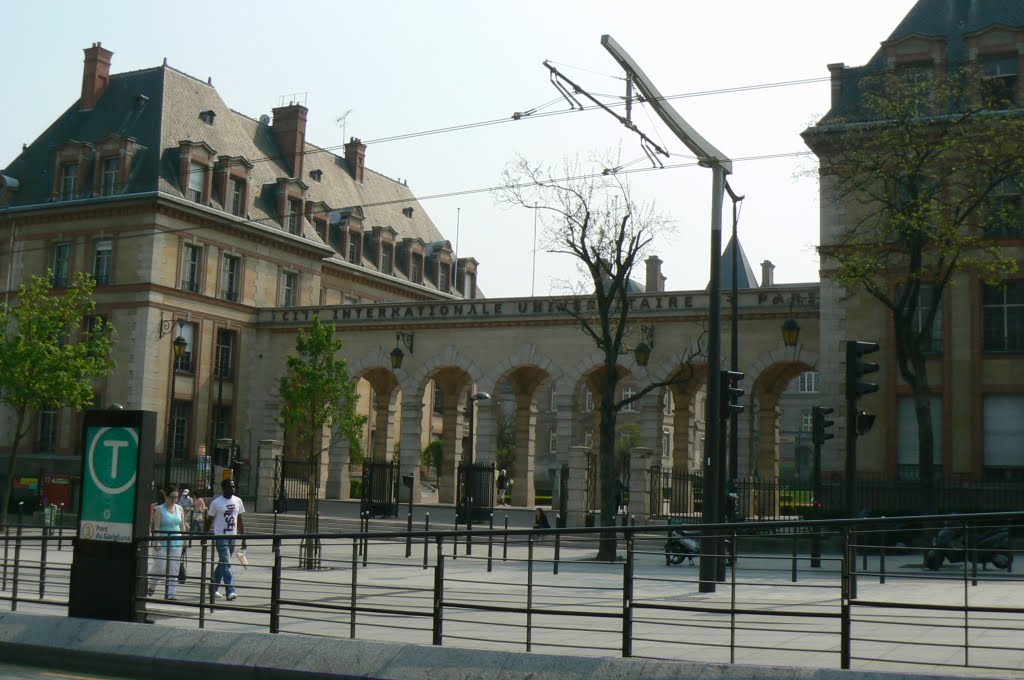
(426, 539)
(504, 541)
(469, 527)
(558, 545)
(438, 624)
(529, 594)
(408, 535)
(275, 588)
(627, 598)
(60, 528)
(14, 576)
(490, 542)
(846, 581)
(42, 566)
(792, 576)
(202, 583)
(352, 592)
(366, 540)
(275, 522)
(881, 562)
(7, 541)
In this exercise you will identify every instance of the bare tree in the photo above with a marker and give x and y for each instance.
(591, 215)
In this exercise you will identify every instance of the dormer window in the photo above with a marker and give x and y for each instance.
(294, 216)
(316, 175)
(387, 258)
(110, 183)
(208, 117)
(237, 197)
(196, 182)
(69, 181)
(354, 247)
(416, 269)
(444, 277)
(407, 212)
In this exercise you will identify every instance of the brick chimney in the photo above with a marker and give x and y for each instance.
(355, 157)
(767, 274)
(95, 75)
(836, 71)
(655, 281)
(289, 129)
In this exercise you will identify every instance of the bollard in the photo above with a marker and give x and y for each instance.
(426, 539)
(558, 544)
(366, 539)
(408, 536)
(7, 541)
(42, 567)
(792, 576)
(275, 588)
(21, 512)
(202, 584)
(504, 547)
(490, 542)
(469, 527)
(529, 594)
(60, 529)
(14, 576)
(881, 563)
(275, 522)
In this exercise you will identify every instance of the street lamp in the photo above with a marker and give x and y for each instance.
(790, 332)
(470, 411)
(180, 345)
(397, 354)
(642, 352)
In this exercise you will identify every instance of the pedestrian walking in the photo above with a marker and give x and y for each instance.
(225, 517)
(168, 523)
(502, 485)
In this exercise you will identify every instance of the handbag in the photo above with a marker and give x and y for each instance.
(182, 568)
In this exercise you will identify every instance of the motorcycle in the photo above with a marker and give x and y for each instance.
(984, 545)
(680, 546)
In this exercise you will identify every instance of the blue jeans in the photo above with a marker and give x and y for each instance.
(222, 572)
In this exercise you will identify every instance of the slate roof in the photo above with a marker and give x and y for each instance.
(170, 114)
(951, 19)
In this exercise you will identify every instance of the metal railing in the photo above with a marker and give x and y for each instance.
(869, 601)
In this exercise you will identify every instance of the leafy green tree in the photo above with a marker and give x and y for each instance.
(47, 358)
(926, 171)
(590, 214)
(432, 457)
(318, 408)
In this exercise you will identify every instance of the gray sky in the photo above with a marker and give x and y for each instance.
(404, 67)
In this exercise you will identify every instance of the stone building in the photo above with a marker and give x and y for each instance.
(974, 361)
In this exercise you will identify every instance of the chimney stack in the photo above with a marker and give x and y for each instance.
(355, 157)
(655, 281)
(767, 274)
(836, 70)
(95, 75)
(289, 128)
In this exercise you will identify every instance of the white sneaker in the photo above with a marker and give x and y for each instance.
(232, 595)
(215, 594)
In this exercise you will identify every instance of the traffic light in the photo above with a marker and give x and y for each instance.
(856, 369)
(731, 390)
(820, 425)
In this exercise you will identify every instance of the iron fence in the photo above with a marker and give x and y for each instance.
(868, 603)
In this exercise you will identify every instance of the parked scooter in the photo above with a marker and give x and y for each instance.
(681, 546)
(984, 544)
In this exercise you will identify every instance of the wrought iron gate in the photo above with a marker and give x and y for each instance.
(380, 489)
(194, 474)
(292, 480)
(474, 492)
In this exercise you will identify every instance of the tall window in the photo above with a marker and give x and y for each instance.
(806, 420)
(353, 247)
(196, 182)
(628, 392)
(588, 439)
(68, 181)
(237, 196)
(294, 216)
(231, 275)
(553, 442)
(221, 422)
(1004, 431)
(932, 343)
(438, 400)
(192, 268)
(181, 422)
(47, 430)
(416, 268)
(386, 259)
(444, 277)
(999, 82)
(588, 401)
(61, 265)
(809, 382)
(321, 229)
(667, 402)
(184, 362)
(1003, 216)
(554, 397)
(908, 442)
(111, 175)
(101, 262)
(337, 237)
(1002, 324)
(289, 289)
(225, 354)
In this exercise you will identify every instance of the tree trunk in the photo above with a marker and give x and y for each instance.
(11, 461)
(311, 544)
(926, 447)
(608, 549)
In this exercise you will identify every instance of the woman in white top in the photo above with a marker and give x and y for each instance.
(169, 524)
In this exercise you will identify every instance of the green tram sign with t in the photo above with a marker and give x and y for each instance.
(110, 483)
(108, 570)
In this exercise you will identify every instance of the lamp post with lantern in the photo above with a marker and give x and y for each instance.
(180, 346)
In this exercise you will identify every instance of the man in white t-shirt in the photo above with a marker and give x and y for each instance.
(225, 515)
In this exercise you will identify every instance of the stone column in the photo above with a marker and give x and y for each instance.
(563, 433)
(451, 441)
(650, 419)
(640, 460)
(577, 485)
(339, 485)
(681, 502)
(768, 460)
(268, 455)
(409, 448)
(523, 492)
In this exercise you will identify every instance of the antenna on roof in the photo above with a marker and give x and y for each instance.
(341, 120)
(295, 98)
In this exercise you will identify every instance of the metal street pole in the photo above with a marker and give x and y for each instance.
(170, 423)
(734, 344)
(713, 458)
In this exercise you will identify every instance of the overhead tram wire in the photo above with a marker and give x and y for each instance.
(691, 162)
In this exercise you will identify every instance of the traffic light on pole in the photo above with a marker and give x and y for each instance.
(856, 369)
(820, 425)
(731, 391)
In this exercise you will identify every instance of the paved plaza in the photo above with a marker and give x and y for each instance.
(579, 610)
